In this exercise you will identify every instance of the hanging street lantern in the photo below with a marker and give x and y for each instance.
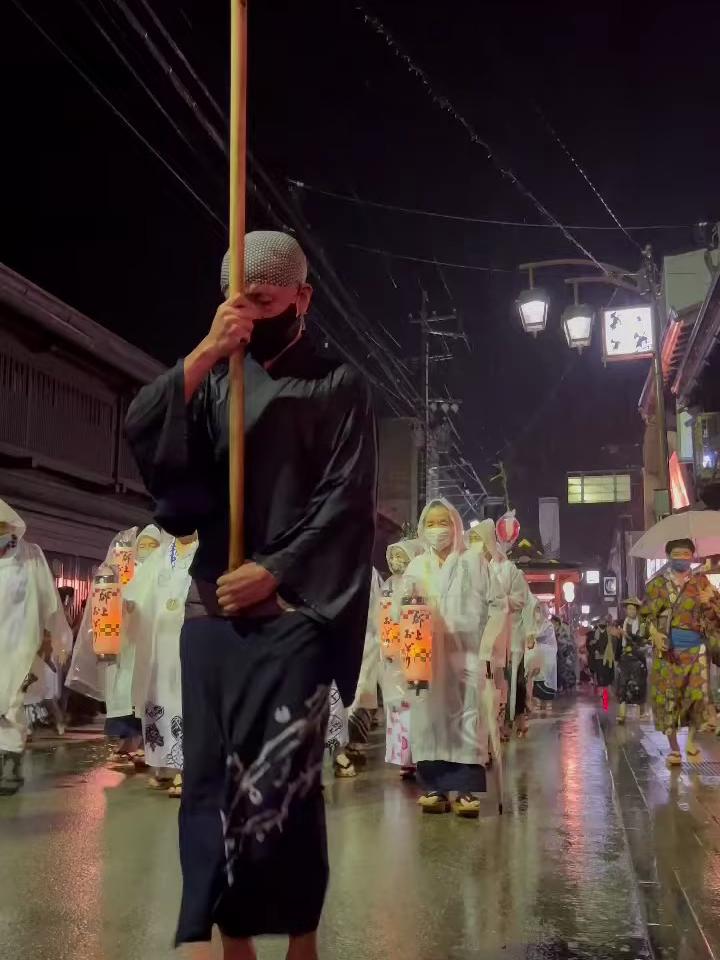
(533, 306)
(577, 321)
(508, 529)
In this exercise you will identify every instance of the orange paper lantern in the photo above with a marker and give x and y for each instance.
(416, 642)
(389, 630)
(106, 613)
(123, 559)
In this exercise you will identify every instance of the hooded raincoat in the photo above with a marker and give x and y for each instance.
(448, 720)
(113, 682)
(366, 691)
(541, 661)
(397, 700)
(30, 608)
(158, 592)
(510, 619)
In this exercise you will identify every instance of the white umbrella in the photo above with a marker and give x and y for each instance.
(701, 526)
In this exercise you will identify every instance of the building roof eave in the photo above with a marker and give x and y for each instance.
(674, 345)
(74, 328)
(705, 332)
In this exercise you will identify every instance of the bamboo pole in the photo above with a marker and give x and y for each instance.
(238, 149)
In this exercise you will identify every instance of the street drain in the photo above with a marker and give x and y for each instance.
(711, 768)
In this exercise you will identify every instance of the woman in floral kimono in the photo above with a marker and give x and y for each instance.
(683, 612)
(450, 731)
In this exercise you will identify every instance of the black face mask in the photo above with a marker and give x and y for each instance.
(271, 336)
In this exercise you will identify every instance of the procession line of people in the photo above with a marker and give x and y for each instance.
(141, 686)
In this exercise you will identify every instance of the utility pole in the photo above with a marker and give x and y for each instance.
(429, 473)
(650, 271)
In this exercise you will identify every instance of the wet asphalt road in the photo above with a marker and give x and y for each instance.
(601, 854)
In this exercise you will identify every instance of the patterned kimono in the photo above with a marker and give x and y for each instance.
(679, 688)
(567, 659)
(631, 673)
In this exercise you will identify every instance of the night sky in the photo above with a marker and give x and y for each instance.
(91, 215)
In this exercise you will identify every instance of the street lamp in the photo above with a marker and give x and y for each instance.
(577, 321)
(533, 306)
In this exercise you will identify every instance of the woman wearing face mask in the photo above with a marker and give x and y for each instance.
(449, 735)
(681, 607)
(396, 697)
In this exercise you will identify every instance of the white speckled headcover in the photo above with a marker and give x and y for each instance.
(270, 257)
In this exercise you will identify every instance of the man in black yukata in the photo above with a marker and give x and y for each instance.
(270, 637)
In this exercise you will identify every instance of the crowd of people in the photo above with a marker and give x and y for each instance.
(487, 629)
(234, 688)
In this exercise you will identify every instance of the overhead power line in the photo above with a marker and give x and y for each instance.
(566, 150)
(119, 114)
(217, 138)
(432, 261)
(393, 398)
(446, 105)
(183, 59)
(463, 218)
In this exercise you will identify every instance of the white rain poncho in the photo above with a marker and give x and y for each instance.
(30, 607)
(367, 686)
(158, 594)
(111, 682)
(393, 683)
(541, 661)
(510, 619)
(448, 721)
(397, 700)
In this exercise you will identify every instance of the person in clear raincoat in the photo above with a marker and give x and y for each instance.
(396, 697)
(158, 592)
(541, 659)
(112, 682)
(33, 635)
(450, 732)
(363, 707)
(509, 628)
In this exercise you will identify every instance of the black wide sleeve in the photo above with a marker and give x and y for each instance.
(172, 446)
(324, 559)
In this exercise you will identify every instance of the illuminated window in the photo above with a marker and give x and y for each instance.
(599, 488)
